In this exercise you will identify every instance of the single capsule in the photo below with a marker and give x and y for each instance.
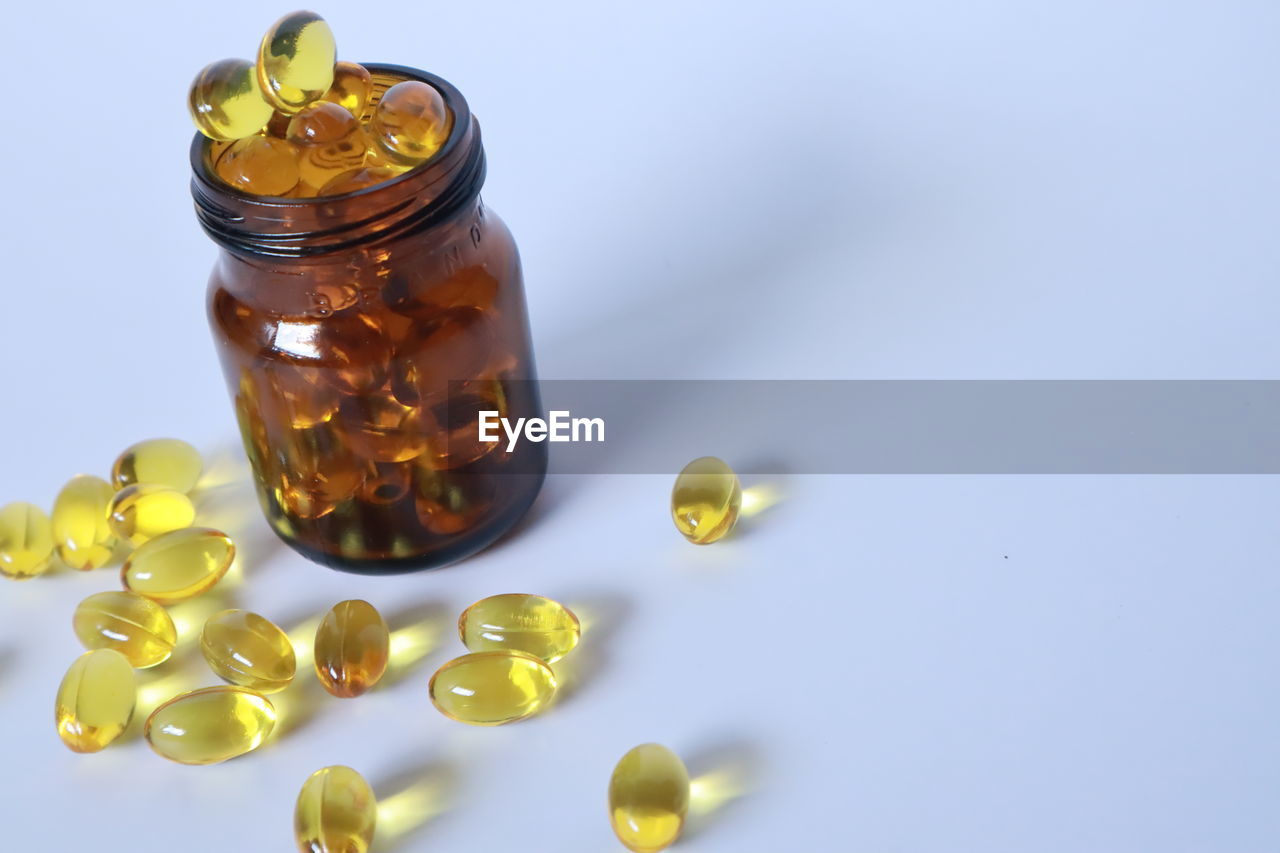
(336, 812)
(261, 165)
(226, 102)
(162, 461)
(26, 540)
(706, 500)
(539, 626)
(80, 528)
(352, 646)
(410, 123)
(248, 650)
(145, 510)
(329, 141)
(492, 688)
(352, 87)
(649, 798)
(359, 179)
(131, 624)
(178, 565)
(95, 700)
(210, 725)
(295, 61)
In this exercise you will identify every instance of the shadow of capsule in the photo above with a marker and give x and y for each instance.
(225, 499)
(300, 702)
(416, 632)
(600, 616)
(185, 670)
(760, 494)
(409, 799)
(719, 777)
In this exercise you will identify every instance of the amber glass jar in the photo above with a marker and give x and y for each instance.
(360, 335)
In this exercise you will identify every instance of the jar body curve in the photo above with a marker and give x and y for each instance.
(358, 378)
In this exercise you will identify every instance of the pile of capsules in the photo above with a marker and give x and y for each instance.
(505, 676)
(299, 124)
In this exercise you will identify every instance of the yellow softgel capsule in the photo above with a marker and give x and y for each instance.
(95, 700)
(131, 624)
(160, 461)
(295, 61)
(248, 650)
(81, 531)
(226, 102)
(492, 688)
(649, 798)
(261, 165)
(210, 725)
(410, 123)
(539, 626)
(336, 812)
(26, 540)
(352, 648)
(144, 510)
(352, 87)
(178, 565)
(706, 500)
(329, 141)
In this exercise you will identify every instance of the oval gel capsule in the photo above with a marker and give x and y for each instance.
(352, 648)
(81, 531)
(95, 700)
(178, 565)
(248, 650)
(649, 798)
(336, 812)
(210, 725)
(162, 461)
(706, 500)
(492, 688)
(544, 628)
(295, 61)
(129, 623)
(26, 540)
(144, 510)
(226, 102)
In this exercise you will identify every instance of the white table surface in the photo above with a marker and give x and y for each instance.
(718, 190)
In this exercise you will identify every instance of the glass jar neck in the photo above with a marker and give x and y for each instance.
(420, 199)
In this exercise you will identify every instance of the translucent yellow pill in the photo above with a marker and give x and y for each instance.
(352, 648)
(410, 123)
(210, 725)
(649, 798)
(178, 565)
(95, 700)
(248, 650)
(492, 688)
(81, 531)
(352, 87)
(261, 165)
(144, 511)
(336, 812)
(544, 628)
(26, 540)
(706, 500)
(295, 61)
(129, 623)
(161, 461)
(226, 102)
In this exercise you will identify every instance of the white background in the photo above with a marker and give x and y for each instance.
(732, 190)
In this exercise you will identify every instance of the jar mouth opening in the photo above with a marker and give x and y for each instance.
(202, 163)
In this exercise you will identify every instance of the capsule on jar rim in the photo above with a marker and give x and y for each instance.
(296, 61)
(81, 530)
(248, 650)
(649, 798)
(539, 626)
(492, 688)
(336, 812)
(95, 700)
(26, 540)
(210, 725)
(178, 565)
(144, 511)
(168, 462)
(129, 623)
(352, 648)
(705, 500)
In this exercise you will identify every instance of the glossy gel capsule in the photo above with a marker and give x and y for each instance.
(248, 650)
(492, 688)
(131, 624)
(539, 626)
(178, 565)
(81, 531)
(163, 461)
(336, 812)
(145, 510)
(26, 540)
(706, 500)
(352, 648)
(95, 700)
(210, 725)
(649, 798)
